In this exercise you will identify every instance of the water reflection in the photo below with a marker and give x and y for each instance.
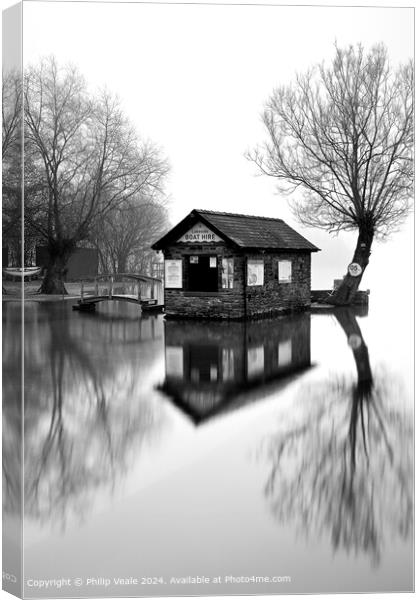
(12, 411)
(337, 466)
(87, 410)
(209, 365)
(343, 466)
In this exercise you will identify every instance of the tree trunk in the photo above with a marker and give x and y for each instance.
(347, 319)
(362, 391)
(53, 282)
(122, 263)
(346, 291)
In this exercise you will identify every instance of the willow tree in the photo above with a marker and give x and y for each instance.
(90, 157)
(340, 140)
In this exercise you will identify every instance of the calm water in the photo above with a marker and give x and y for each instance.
(153, 449)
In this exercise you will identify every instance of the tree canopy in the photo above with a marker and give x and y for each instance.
(83, 160)
(340, 140)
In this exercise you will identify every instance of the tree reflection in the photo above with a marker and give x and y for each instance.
(86, 415)
(344, 467)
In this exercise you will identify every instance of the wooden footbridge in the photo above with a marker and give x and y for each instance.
(143, 290)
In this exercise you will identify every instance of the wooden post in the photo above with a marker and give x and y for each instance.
(138, 291)
(111, 287)
(160, 293)
(81, 291)
(96, 288)
(152, 290)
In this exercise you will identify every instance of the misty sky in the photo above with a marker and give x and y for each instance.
(194, 79)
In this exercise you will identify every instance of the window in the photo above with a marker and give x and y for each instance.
(255, 272)
(202, 274)
(227, 273)
(285, 271)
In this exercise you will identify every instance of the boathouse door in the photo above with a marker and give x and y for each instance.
(202, 273)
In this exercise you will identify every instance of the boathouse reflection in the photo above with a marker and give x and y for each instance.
(210, 364)
(344, 467)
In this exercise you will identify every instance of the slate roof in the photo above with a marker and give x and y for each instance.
(245, 231)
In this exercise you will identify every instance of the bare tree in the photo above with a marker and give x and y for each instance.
(91, 159)
(123, 236)
(12, 161)
(343, 136)
(11, 110)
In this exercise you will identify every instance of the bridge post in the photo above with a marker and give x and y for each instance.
(160, 298)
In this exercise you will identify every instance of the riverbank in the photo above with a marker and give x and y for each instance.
(12, 292)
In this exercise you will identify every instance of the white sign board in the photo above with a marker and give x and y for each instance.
(255, 361)
(200, 234)
(173, 273)
(284, 353)
(285, 271)
(174, 361)
(255, 272)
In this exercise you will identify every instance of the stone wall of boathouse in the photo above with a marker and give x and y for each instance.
(243, 301)
(223, 304)
(276, 297)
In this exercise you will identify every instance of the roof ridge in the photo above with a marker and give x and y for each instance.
(228, 214)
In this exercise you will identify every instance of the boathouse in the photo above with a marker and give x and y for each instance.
(229, 266)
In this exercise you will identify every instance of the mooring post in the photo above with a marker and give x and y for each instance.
(81, 291)
(138, 291)
(111, 286)
(152, 290)
(96, 288)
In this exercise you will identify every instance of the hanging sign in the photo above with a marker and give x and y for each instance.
(173, 273)
(199, 234)
(354, 269)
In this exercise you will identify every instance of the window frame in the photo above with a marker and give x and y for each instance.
(225, 261)
(258, 261)
(290, 262)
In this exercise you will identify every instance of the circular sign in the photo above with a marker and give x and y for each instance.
(354, 341)
(354, 269)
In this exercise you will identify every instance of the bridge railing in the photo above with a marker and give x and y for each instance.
(142, 287)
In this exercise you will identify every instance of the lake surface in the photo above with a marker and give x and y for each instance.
(279, 449)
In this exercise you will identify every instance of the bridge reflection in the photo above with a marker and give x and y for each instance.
(89, 409)
(210, 366)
